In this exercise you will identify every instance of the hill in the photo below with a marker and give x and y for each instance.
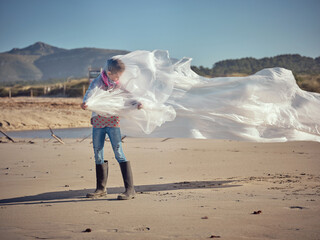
(296, 63)
(305, 69)
(41, 62)
(39, 48)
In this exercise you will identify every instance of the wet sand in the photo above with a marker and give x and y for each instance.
(186, 189)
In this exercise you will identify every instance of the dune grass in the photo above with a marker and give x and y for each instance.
(71, 88)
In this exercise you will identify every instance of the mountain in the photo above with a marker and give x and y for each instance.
(40, 62)
(39, 48)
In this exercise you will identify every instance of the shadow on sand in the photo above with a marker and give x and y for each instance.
(79, 195)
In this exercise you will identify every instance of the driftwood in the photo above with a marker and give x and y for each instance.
(55, 136)
(7, 136)
(108, 140)
(85, 137)
(165, 139)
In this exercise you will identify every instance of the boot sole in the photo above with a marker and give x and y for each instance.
(125, 198)
(96, 196)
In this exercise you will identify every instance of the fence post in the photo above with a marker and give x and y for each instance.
(44, 90)
(9, 92)
(83, 90)
(31, 92)
(64, 89)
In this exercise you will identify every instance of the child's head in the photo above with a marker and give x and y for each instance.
(115, 67)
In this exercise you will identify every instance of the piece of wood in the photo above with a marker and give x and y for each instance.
(85, 138)
(108, 139)
(56, 137)
(165, 139)
(7, 136)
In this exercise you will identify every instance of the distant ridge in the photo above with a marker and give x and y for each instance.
(39, 48)
(296, 63)
(41, 62)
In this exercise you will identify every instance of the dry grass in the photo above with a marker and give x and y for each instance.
(72, 88)
(309, 82)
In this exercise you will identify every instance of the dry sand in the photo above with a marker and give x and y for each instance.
(25, 113)
(187, 188)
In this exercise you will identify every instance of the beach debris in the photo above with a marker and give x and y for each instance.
(205, 217)
(214, 236)
(102, 212)
(142, 228)
(87, 230)
(85, 137)
(257, 212)
(112, 230)
(66, 185)
(165, 139)
(297, 207)
(56, 137)
(6, 135)
(108, 140)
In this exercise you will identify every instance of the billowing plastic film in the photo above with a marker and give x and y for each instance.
(267, 106)
(119, 103)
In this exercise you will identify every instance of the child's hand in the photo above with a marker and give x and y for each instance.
(83, 106)
(139, 105)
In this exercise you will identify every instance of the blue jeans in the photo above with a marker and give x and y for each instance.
(98, 139)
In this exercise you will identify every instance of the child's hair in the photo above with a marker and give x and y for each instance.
(115, 65)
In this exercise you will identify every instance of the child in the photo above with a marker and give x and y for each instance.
(108, 80)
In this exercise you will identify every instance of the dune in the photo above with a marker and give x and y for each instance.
(26, 113)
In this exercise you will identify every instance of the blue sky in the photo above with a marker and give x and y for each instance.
(206, 30)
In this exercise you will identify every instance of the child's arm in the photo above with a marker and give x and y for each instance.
(92, 85)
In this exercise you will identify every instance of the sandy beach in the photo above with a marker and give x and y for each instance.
(186, 188)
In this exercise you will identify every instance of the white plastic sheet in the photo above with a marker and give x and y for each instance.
(267, 106)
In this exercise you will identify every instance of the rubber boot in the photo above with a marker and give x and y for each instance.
(101, 176)
(128, 182)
